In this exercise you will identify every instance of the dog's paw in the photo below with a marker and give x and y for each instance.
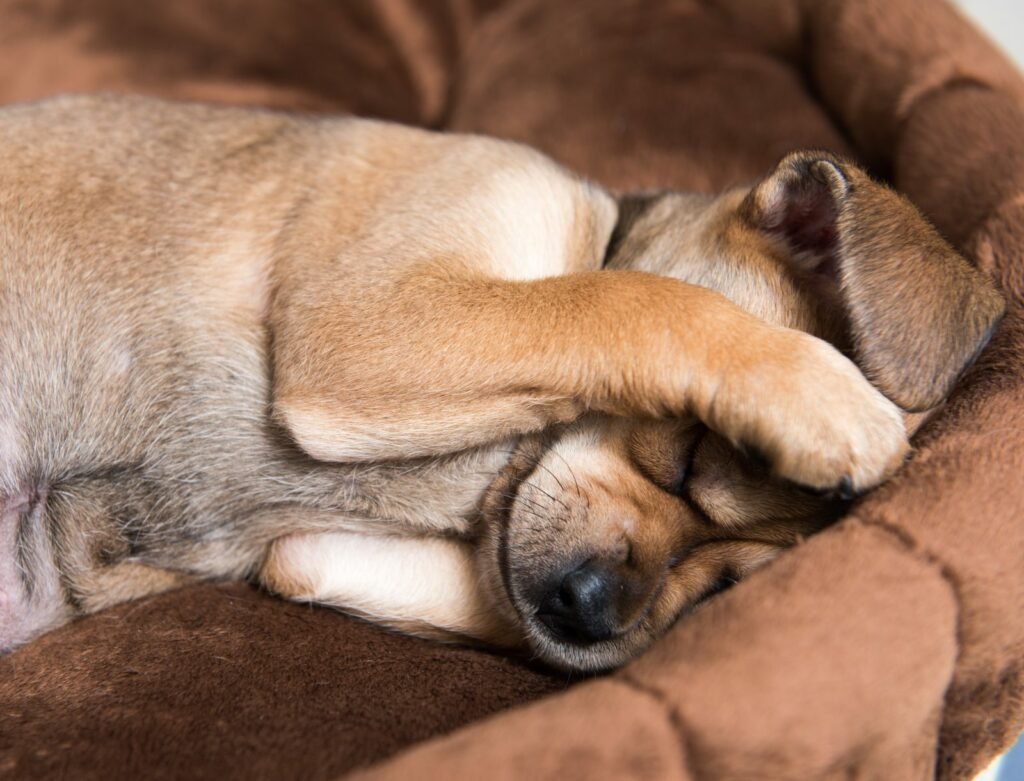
(814, 416)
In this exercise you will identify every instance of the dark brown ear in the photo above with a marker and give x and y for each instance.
(917, 312)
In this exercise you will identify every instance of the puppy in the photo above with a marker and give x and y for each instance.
(384, 369)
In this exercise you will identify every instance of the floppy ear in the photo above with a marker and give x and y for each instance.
(917, 312)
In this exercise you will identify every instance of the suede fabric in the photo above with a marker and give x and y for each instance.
(889, 647)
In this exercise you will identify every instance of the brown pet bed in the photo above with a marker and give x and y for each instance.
(889, 647)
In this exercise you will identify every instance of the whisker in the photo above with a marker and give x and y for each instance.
(550, 472)
(571, 472)
(530, 502)
(536, 487)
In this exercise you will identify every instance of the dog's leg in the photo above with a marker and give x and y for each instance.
(441, 357)
(426, 586)
(127, 580)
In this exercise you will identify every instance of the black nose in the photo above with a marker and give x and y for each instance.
(581, 609)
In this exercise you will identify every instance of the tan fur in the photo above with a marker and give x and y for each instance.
(236, 343)
(126, 581)
(426, 585)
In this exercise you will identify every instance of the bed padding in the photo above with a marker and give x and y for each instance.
(889, 647)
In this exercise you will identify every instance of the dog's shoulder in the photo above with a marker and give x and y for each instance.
(505, 208)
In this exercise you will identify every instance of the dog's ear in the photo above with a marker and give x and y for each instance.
(917, 312)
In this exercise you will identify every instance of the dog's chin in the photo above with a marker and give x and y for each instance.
(593, 657)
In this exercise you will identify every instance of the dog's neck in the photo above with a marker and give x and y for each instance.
(631, 207)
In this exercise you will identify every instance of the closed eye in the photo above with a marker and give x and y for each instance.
(724, 583)
(676, 485)
(667, 464)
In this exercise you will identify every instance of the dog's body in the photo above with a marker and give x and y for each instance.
(382, 368)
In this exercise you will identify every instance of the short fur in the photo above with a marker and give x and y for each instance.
(384, 369)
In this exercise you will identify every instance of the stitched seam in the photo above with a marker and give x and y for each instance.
(671, 715)
(952, 83)
(907, 541)
(904, 538)
(994, 218)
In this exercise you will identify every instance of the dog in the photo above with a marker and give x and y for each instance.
(438, 380)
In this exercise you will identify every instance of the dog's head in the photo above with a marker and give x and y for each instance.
(599, 536)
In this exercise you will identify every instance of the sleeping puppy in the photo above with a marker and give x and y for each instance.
(384, 369)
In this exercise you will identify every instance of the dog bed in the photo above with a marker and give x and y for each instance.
(890, 646)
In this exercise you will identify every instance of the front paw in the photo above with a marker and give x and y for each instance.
(814, 416)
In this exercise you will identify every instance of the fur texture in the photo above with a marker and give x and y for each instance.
(227, 328)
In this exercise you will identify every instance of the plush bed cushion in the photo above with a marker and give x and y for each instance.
(889, 647)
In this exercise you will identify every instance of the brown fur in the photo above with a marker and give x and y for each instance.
(419, 313)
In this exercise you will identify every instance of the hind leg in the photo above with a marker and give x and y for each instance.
(425, 586)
